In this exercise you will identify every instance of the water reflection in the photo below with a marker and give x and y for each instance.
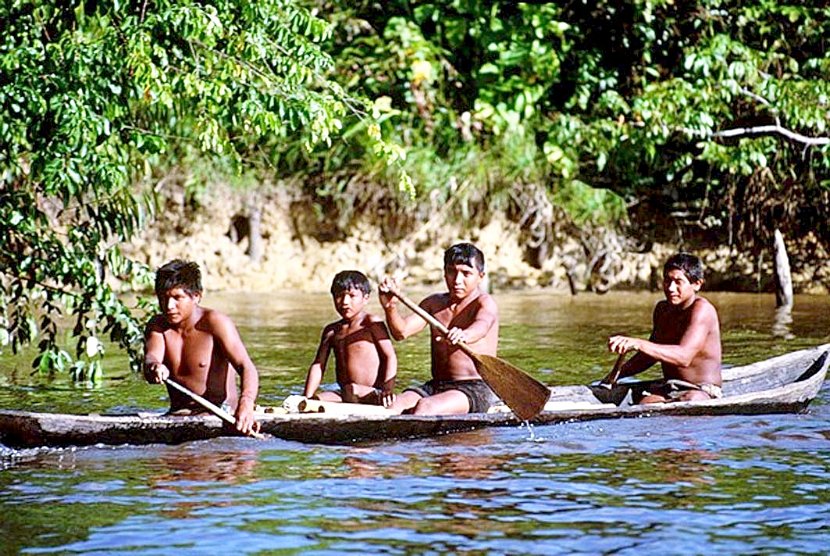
(466, 457)
(672, 466)
(187, 473)
(360, 467)
(733, 484)
(781, 327)
(182, 466)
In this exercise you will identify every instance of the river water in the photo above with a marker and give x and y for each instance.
(690, 485)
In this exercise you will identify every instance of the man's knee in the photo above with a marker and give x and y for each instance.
(694, 395)
(424, 406)
(442, 405)
(653, 398)
(327, 396)
(405, 402)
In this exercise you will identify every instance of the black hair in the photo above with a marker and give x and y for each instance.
(179, 274)
(350, 280)
(689, 264)
(464, 253)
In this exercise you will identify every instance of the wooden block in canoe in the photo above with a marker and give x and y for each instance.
(270, 410)
(341, 408)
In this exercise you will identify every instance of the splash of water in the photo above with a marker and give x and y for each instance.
(532, 437)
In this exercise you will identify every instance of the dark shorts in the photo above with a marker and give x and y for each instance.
(673, 389)
(375, 397)
(370, 398)
(479, 395)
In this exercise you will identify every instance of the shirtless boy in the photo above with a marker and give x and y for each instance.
(365, 360)
(685, 339)
(197, 347)
(471, 316)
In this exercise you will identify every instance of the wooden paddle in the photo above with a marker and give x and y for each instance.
(614, 374)
(522, 393)
(210, 406)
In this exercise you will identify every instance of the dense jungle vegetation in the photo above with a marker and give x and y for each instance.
(697, 123)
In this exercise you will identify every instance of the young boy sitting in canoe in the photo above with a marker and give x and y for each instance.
(685, 339)
(365, 360)
(197, 348)
(471, 316)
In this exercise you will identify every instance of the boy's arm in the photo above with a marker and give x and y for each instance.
(228, 336)
(637, 364)
(388, 362)
(318, 366)
(155, 371)
(640, 361)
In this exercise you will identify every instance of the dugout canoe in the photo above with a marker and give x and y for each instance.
(782, 384)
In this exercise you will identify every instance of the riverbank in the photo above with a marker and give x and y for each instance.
(296, 257)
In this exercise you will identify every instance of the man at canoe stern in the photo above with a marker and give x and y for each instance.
(197, 347)
(685, 339)
(471, 316)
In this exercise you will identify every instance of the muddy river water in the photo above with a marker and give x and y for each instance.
(690, 485)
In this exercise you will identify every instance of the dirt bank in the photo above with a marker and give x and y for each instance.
(294, 258)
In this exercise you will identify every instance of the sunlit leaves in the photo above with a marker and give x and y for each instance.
(627, 96)
(92, 95)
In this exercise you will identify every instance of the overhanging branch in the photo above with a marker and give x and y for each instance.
(773, 130)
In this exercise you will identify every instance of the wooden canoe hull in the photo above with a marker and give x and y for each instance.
(783, 384)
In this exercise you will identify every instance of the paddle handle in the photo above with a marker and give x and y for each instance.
(418, 310)
(210, 406)
(615, 372)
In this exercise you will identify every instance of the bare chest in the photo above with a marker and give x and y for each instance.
(193, 353)
(671, 327)
(348, 339)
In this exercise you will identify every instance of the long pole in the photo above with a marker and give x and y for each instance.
(210, 406)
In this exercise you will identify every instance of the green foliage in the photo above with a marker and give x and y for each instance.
(94, 96)
(633, 98)
(586, 204)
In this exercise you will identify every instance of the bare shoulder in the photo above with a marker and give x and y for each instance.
(435, 302)
(488, 303)
(704, 307)
(662, 310)
(331, 328)
(215, 321)
(376, 327)
(157, 324)
(373, 319)
(661, 306)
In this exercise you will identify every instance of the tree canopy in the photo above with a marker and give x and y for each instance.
(94, 95)
(708, 117)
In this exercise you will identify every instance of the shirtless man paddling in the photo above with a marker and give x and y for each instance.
(685, 339)
(472, 317)
(198, 348)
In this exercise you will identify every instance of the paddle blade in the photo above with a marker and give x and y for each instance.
(522, 393)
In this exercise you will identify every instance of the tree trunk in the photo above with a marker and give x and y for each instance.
(255, 233)
(783, 279)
